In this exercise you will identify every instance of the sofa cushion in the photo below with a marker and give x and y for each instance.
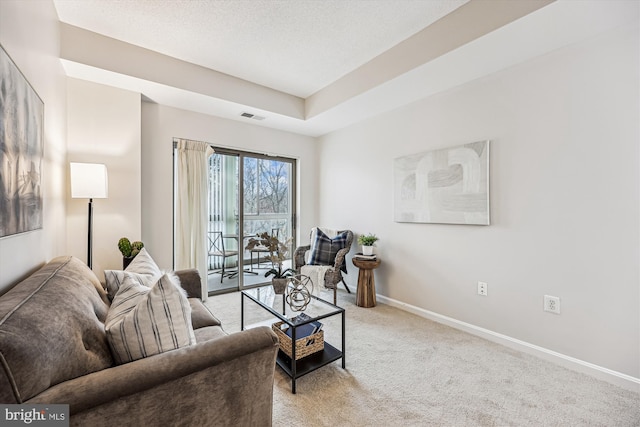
(201, 317)
(51, 329)
(145, 321)
(209, 333)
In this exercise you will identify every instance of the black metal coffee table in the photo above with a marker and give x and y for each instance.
(317, 309)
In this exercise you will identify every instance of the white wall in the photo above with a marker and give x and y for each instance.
(564, 182)
(564, 201)
(160, 124)
(29, 33)
(104, 127)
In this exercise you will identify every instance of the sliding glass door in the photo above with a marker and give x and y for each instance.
(223, 230)
(249, 194)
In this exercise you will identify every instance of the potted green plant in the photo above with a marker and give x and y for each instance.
(129, 250)
(277, 254)
(367, 241)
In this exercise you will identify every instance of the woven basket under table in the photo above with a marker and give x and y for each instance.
(305, 346)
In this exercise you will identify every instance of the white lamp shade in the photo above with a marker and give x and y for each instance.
(89, 181)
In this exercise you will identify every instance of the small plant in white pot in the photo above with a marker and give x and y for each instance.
(367, 241)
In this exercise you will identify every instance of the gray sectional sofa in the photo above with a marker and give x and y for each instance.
(53, 349)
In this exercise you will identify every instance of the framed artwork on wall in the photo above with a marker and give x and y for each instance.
(21, 151)
(446, 186)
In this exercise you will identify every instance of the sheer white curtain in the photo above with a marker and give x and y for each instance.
(191, 207)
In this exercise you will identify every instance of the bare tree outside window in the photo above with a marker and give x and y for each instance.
(250, 186)
(274, 186)
(266, 195)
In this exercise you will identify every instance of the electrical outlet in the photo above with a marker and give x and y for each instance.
(483, 289)
(552, 304)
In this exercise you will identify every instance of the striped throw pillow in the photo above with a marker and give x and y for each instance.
(144, 321)
(143, 264)
(143, 269)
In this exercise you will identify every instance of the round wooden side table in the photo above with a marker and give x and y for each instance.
(366, 294)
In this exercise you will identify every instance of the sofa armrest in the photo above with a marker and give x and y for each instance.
(190, 281)
(202, 376)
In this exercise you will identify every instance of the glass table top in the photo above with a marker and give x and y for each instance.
(278, 305)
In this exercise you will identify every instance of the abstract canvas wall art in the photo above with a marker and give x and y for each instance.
(21, 150)
(446, 186)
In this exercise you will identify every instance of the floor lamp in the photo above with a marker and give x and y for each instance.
(89, 181)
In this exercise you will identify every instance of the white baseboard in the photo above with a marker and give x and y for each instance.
(626, 381)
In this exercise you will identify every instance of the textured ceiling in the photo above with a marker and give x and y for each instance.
(314, 66)
(297, 47)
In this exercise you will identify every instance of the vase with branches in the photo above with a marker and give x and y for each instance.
(278, 252)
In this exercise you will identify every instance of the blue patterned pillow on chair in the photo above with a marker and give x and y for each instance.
(324, 248)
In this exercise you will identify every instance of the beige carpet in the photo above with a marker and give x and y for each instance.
(404, 370)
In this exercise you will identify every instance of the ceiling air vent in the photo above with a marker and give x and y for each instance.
(251, 116)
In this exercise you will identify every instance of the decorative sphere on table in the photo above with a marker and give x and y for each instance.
(299, 293)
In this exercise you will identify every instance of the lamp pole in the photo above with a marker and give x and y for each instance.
(90, 231)
(89, 181)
